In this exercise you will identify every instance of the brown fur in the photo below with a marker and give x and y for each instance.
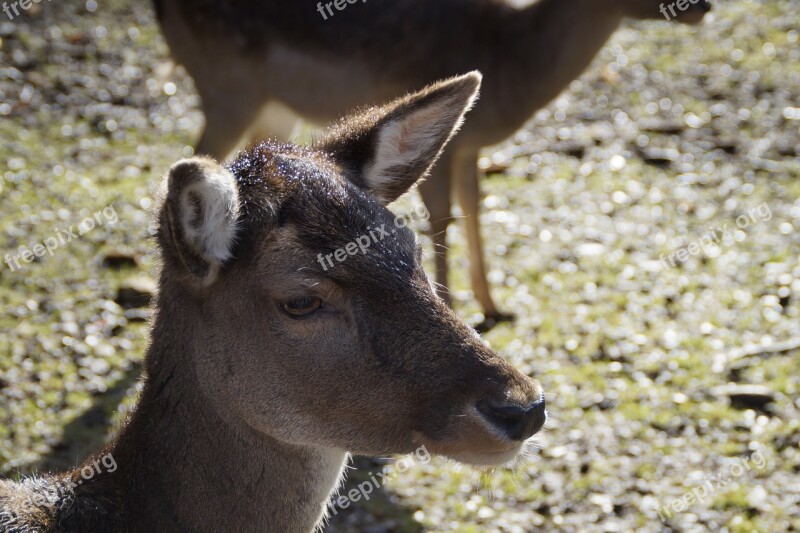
(246, 54)
(246, 414)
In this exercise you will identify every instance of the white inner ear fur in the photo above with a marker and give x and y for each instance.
(408, 138)
(209, 213)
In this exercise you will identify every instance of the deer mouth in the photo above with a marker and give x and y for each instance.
(488, 435)
(487, 452)
(496, 458)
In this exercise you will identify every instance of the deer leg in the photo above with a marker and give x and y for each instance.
(229, 114)
(435, 192)
(276, 122)
(465, 172)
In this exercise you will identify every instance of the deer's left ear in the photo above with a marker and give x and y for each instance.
(386, 150)
(199, 218)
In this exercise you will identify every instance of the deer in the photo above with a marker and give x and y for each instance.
(264, 370)
(258, 65)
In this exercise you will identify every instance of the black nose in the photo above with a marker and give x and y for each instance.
(705, 5)
(516, 422)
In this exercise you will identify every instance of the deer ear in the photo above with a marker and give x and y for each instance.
(386, 150)
(199, 217)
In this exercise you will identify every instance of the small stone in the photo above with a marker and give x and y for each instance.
(668, 127)
(136, 292)
(100, 367)
(659, 157)
(138, 315)
(119, 259)
(745, 396)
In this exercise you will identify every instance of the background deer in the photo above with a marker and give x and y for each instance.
(264, 370)
(246, 56)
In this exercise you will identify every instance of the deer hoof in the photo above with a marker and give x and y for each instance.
(493, 319)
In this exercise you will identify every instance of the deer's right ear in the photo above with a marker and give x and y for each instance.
(199, 217)
(386, 150)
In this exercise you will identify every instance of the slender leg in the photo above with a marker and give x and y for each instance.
(435, 192)
(229, 114)
(465, 177)
(275, 122)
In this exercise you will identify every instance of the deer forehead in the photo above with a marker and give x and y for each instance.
(318, 212)
(372, 246)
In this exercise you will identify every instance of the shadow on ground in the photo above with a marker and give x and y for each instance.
(88, 432)
(380, 513)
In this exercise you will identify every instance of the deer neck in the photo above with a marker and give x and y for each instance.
(549, 44)
(185, 466)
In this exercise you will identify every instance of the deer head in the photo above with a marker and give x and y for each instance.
(360, 355)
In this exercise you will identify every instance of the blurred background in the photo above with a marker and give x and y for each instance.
(660, 378)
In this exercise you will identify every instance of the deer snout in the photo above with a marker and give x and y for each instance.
(515, 421)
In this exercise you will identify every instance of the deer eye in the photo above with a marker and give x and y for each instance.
(301, 307)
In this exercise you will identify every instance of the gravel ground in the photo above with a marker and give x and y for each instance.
(670, 363)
